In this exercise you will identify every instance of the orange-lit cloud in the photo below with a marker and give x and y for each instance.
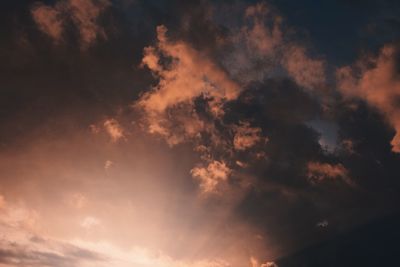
(210, 177)
(53, 20)
(186, 175)
(189, 75)
(319, 172)
(379, 86)
(114, 130)
(255, 263)
(246, 136)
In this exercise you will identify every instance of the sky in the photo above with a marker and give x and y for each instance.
(172, 133)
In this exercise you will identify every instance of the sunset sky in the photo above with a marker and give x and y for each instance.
(162, 133)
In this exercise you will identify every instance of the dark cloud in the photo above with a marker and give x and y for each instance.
(18, 255)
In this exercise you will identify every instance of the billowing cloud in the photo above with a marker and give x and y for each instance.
(210, 177)
(246, 136)
(53, 20)
(224, 145)
(378, 85)
(189, 75)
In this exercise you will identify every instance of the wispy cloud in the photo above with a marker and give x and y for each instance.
(53, 20)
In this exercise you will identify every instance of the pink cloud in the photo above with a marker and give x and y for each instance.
(190, 74)
(379, 86)
(212, 176)
(246, 136)
(84, 14)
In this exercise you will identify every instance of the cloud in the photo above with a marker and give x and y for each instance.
(84, 14)
(378, 85)
(318, 172)
(139, 256)
(255, 263)
(49, 20)
(306, 72)
(263, 47)
(108, 164)
(114, 130)
(262, 37)
(269, 264)
(212, 176)
(255, 46)
(25, 244)
(53, 20)
(246, 136)
(21, 244)
(190, 74)
(323, 224)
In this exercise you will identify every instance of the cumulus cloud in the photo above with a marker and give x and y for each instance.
(186, 76)
(246, 136)
(318, 172)
(378, 85)
(114, 130)
(212, 176)
(190, 74)
(52, 20)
